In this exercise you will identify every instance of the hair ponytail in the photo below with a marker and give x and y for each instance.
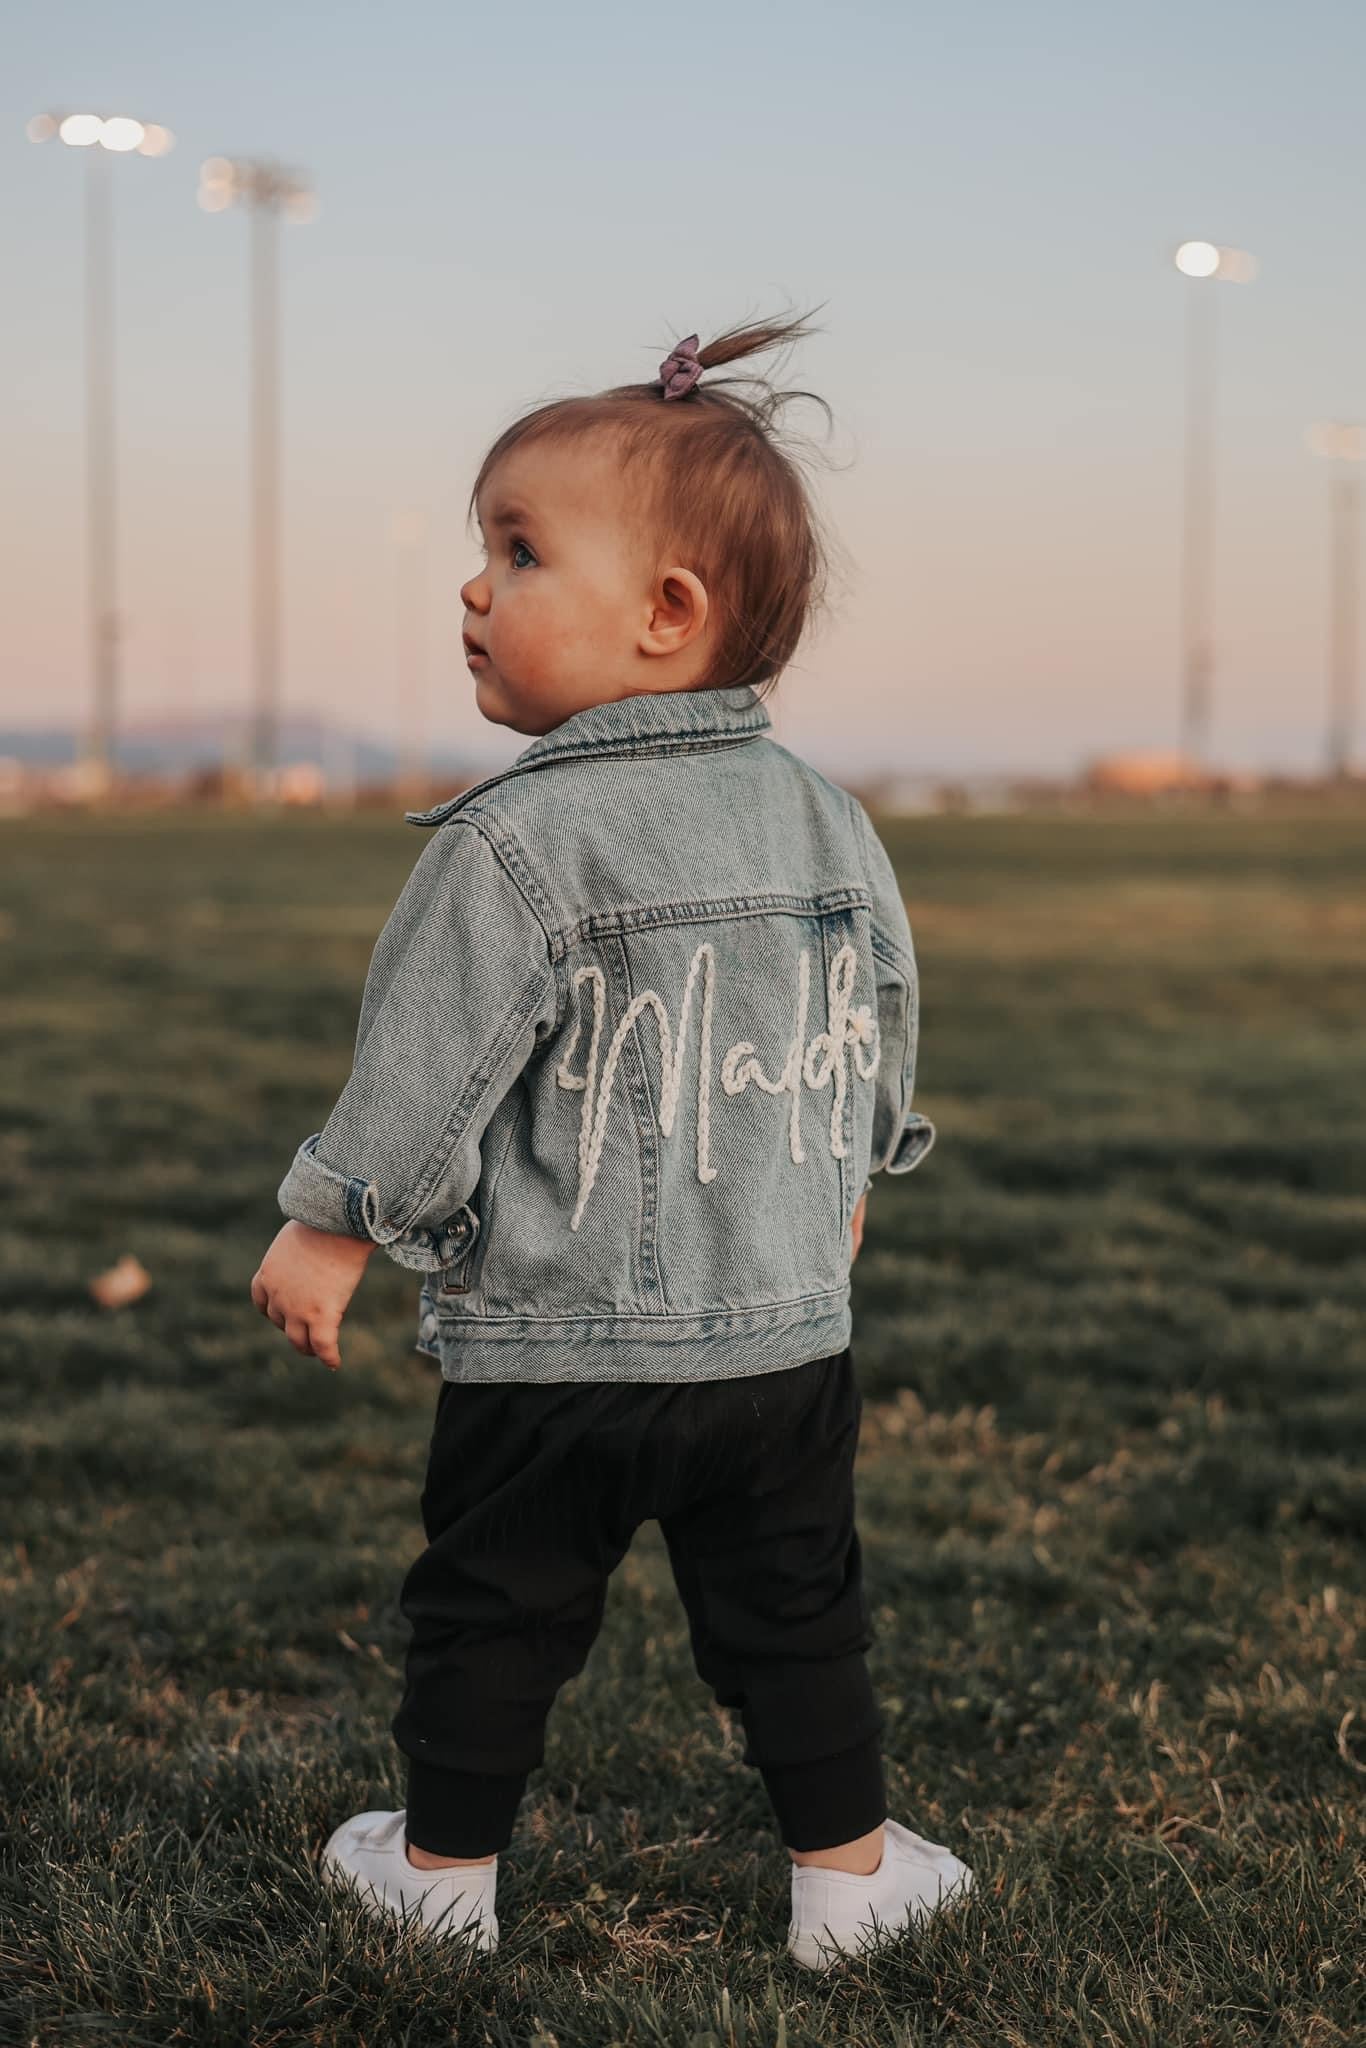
(718, 486)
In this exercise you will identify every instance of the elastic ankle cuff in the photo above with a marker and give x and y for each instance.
(461, 1813)
(831, 1800)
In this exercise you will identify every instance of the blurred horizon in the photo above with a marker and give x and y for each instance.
(983, 206)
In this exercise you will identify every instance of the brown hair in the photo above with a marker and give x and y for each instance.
(719, 486)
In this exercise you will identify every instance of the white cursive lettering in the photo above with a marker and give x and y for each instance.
(823, 1060)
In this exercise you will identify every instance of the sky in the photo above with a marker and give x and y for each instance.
(520, 202)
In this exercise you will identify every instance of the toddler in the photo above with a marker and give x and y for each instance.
(638, 1031)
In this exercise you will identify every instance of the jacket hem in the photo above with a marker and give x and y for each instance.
(685, 1348)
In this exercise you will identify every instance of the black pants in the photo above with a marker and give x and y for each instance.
(532, 1496)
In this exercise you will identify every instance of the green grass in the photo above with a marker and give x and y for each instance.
(1112, 1486)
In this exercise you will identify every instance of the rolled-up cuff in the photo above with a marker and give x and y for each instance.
(349, 1206)
(917, 1136)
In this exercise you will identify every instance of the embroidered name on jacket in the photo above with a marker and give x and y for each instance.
(822, 1062)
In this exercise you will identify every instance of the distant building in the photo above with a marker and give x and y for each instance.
(896, 794)
(15, 796)
(302, 782)
(79, 782)
(899, 795)
(1150, 772)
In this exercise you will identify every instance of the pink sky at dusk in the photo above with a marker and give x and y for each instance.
(516, 204)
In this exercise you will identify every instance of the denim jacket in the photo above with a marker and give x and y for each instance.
(634, 1038)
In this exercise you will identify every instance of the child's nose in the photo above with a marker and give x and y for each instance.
(475, 594)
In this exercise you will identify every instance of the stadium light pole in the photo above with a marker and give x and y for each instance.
(1200, 263)
(268, 190)
(1342, 442)
(101, 135)
(410, 649)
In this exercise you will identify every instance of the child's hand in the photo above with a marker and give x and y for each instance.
(304, 1283)
(857, 1226)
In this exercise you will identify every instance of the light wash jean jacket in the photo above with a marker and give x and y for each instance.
(638, 1030)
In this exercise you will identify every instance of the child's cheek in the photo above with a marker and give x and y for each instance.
(541, 641)
(535, 657)
(588, 631)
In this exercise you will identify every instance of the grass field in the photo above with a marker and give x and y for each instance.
(1113, 1341)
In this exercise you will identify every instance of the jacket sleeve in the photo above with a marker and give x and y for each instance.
(461, 986)
(901, 1135)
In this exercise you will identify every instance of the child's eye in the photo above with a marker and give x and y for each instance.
(520, 545)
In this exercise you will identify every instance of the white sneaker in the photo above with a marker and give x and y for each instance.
(836, 1911)
(371, 1850)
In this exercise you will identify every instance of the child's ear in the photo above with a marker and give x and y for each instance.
(678, 608)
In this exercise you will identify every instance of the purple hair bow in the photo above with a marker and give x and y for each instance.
(680, 369)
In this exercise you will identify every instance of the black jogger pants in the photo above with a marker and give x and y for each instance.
(532, 1495)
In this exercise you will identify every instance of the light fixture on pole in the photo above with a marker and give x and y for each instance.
(1342, 442)
(410, 651)
(1200, 263)
(269, 191)
(100, 135)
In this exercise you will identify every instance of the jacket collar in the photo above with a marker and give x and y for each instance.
(652, 722)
